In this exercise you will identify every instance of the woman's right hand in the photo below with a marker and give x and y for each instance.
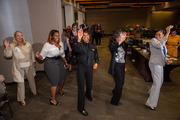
(37, 54)
(80, 34)
(6, 43)
(169, 28)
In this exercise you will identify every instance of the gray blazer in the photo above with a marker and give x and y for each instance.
(156, 47)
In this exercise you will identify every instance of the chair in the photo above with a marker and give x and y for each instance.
(3, 96)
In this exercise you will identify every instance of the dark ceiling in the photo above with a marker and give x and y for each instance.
(95, 4)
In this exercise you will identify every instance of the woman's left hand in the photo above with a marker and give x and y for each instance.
(125, 69)
(169, 61)
(95, 66)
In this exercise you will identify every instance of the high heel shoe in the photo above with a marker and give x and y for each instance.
(61, 92)
(151, 108)
(23, 103)
(52, 103)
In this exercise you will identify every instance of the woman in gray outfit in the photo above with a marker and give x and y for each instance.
(156, 63)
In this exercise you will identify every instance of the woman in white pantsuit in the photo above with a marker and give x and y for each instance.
(156, 63)
(23, 62)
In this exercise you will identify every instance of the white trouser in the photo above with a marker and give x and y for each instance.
(157, 76)
(20, 85)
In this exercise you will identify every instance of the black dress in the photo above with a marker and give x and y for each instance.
(72, 57)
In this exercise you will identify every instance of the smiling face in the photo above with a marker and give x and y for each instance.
(173, 33)
(55, 37)
(122, 36)
(19, 37)
(86, 37)
(159, 35)
(74, 28)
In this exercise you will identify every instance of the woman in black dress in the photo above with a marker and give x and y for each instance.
(72, 56)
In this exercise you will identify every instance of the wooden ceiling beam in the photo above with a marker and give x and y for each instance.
(103, 2)
(125, 1)
(97, 6)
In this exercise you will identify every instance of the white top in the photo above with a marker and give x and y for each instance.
(49, 50)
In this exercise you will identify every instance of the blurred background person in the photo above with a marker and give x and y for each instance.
(173, 43)
(93, 32)
(23, 62)
(72, 56)
(98, 36)
(65, 39)
(84, 26)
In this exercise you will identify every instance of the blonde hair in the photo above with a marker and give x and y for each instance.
(14, 38)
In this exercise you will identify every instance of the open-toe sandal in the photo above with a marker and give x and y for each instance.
(52, 103)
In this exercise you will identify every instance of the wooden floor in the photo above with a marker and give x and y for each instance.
(133, 98)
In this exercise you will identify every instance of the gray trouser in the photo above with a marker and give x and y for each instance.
(21, 87)
(157, 76)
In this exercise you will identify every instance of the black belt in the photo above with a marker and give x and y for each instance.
(54, 58)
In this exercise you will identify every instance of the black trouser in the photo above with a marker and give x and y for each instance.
(98, 38)
(87, 73)
(93, 36)
(119, 74)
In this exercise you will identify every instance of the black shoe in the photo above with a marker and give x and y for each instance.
(89, 97)
(119, 104)
(84, 112)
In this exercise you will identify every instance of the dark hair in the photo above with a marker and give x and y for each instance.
(172, 30)
(74, 24)
(51, 33)
(116, 34)
(87, 31)
(163, 32)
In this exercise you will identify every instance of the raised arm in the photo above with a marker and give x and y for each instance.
(7, 50)
(78, 47)
(80, 34)
(168, 29)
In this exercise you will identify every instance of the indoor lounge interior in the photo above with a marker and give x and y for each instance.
(140, 19)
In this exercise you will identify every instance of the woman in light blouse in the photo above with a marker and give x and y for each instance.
(22, 64)
(53, 53)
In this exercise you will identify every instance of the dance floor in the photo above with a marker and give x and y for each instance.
(134, 96)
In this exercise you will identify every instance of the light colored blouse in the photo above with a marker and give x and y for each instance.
(49, 50)
(120, 55)
(22, 56)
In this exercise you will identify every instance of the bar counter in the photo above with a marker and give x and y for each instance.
(141, 61)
